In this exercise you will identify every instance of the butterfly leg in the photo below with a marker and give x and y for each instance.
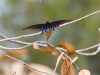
(42, 32)
(53, 29)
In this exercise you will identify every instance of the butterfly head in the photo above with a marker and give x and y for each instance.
(47, 23)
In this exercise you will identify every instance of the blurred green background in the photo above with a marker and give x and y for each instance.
(17, 14)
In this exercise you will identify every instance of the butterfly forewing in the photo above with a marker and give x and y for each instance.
(57, 23)
(37, 27)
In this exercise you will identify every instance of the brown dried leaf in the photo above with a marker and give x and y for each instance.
(48, 34)
(17, 53)
(49, 49)
(84, 72)
(58, 60)
(46, 50)
(35, 45)
(67, 68)
(68, 47)
(54, 52)
(50, 46)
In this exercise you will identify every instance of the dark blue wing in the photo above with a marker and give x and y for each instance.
(56, 24)
(47, 26)
(39, 27)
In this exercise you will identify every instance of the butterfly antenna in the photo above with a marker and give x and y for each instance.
(43, 19)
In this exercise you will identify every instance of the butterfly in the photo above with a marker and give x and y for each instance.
(47, 26)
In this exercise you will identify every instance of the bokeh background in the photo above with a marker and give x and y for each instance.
(17, 14)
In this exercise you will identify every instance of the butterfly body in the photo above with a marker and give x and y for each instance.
(47, 26)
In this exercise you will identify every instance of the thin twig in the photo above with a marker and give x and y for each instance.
(90, 54)
(80, 18)
(20, 48)
(23, 36)
(14, 41)
(23, 63)
(43, 44)
(88, 48)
